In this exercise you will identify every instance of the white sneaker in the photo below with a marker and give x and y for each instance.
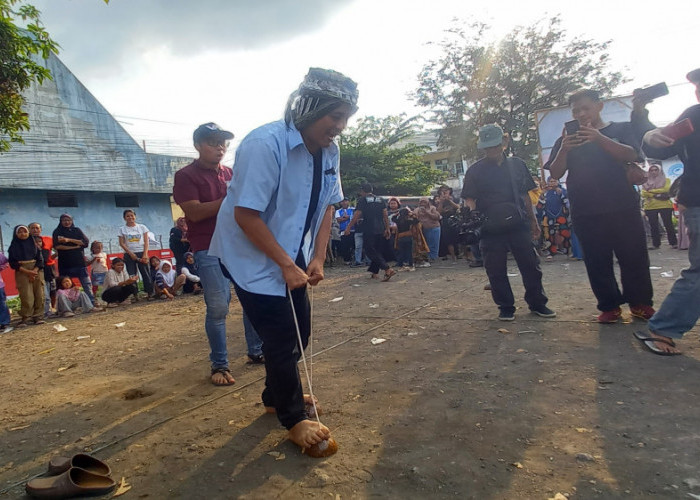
(6, 329)
(409, 269)
(424, 264)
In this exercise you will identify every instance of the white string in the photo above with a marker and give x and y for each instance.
(311, 341)
(303, 356)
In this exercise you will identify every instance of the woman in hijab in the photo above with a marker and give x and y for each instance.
(657, 203)
(26, 259)
(70, 243)
(179, 244)
(167, 280)
(190, 270)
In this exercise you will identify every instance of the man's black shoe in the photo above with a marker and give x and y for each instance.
(506, 316)
(476, 263)
(543, 311)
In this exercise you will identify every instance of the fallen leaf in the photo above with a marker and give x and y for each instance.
(582, 430)
(376, 341)
(46, 351)
(275, 454)
(521, 350)
(503, 330)
(281, 457)
(64, 368)
(59, 328)
(119, 325)
(19, 428)
(123, 488)
(517, 465)
(92, 341)
(337, 299)
(231, 422)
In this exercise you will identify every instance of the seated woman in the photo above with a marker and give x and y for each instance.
(119, 286)
(70, 297)
(167, 280)
(191, 272)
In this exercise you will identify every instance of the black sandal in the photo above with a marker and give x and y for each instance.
(222, 371)
(256, 360)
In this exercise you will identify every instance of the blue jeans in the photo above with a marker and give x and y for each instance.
(82, 274)
(252, 339)
(4, 311)
(358, 247)
(679, 311)
(576, 251)
(217, 296)
(432, 238)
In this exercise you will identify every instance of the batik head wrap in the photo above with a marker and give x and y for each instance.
(320, 93)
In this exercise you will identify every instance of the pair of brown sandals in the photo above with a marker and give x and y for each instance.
(67, 477)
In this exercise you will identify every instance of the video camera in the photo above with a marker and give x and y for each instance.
(468, 224)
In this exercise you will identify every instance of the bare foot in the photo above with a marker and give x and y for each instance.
(307, 433)
(666, 344)
(222, 377)
(307, 402)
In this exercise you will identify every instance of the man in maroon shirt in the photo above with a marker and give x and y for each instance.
(199, 189)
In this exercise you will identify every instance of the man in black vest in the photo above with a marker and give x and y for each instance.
(498, 187)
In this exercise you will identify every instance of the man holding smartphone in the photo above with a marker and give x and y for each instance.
(605, 207)
(679, 311)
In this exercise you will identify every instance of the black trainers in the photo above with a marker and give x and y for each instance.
(543, 311)
(506, 316)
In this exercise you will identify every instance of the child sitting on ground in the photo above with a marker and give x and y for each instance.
(98, 266)
(167, 281)
(191, 272)
(69, 297)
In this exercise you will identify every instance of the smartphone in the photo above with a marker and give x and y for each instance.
(572, 127)
(679, 130)
(651, 93)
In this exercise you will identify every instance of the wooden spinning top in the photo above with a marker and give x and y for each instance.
(325, 448)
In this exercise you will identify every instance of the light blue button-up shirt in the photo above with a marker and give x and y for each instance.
(273, 174)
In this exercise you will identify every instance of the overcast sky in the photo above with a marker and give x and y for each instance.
(236, 61)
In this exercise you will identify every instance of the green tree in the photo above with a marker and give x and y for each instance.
(380, 151)
(19, 48)
(534, 67)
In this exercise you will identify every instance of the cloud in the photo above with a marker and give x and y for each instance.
(99, 39)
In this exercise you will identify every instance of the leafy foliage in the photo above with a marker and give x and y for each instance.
(18, 67)
(533, 67)
(380, 151)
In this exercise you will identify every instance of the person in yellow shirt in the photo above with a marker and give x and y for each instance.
(657, 203)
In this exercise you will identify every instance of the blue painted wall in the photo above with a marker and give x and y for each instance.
(96, 214)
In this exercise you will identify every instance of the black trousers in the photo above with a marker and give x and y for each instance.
(272, 318)
(119, 293)
(374, 245)
(494, 250)
(347, 246)
(620, 235)
(145, 270)
(665, 214)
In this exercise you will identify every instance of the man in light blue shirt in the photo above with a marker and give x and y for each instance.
(347, 241)
(273, 228)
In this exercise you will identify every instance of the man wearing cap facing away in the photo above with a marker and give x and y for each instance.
(498, 186)
(199, 189)
(273, 229)
(681, 308)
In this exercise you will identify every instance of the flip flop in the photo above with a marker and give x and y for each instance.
(388, 274)
(59, 465)
(222, 371)
(73, 482)
(648, 342)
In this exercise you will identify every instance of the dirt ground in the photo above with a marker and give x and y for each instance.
(447, 407)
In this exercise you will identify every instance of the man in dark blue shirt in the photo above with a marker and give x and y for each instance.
(605, 207)
(498, 187)
(347, 241)
(680, 311)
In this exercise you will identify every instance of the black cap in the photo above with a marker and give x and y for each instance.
(208, 129)
(694, 76)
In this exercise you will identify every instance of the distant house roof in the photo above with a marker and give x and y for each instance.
(75, 144)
